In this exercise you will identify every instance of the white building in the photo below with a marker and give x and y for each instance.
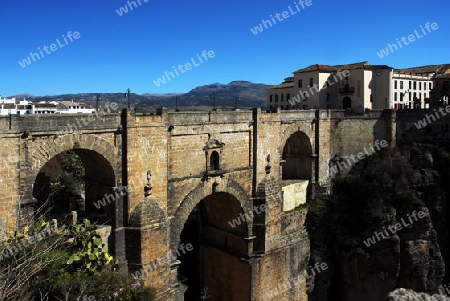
(411, 91)
(413, 87)
(44, 107)
(11, 106)
(71, 107)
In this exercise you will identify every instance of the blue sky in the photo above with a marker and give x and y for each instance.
(116, 52)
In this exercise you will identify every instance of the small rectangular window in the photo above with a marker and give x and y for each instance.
(395, 96)
(395, 84)
(276, 98)
(328, 96)
(415, 85)
(410, 84)
(311, 82)
(401, 84)
(300, 83)
(282, 97)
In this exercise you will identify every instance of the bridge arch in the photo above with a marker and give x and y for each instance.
(193, 198)
(49, 148)
(103, 174)
(205, 220)
(295, 150)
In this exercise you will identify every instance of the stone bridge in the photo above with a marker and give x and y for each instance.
(228, 184)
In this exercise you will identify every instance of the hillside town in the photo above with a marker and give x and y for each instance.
(12, 106)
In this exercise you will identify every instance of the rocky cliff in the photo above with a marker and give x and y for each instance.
(384, 227)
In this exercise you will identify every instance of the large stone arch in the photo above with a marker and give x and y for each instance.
(195, 196)
(51, 147)
(101, 157)
(39, 150)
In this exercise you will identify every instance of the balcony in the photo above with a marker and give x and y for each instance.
(347, 89)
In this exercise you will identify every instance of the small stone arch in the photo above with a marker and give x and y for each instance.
(289, 132)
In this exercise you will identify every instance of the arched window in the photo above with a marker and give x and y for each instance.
(214, 161)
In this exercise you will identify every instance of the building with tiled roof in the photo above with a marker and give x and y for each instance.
(363, 86)
(421, 87)
(354, 86)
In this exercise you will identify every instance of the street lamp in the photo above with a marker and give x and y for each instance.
(213, 97)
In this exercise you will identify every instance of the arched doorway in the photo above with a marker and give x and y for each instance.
(346, 102)
(296, 154)
(90, 193)
(215, 269)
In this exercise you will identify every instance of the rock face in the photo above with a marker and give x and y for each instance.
(374, 249)
(402, 294)
(411, 258)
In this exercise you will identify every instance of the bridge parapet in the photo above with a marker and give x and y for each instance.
(59, 123)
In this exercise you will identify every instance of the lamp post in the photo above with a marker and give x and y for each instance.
(213, 97)
(177, 98)
(97, 101)
(238, 98)
(127, 95)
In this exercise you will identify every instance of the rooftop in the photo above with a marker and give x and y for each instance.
(330, 68)
(428, 69)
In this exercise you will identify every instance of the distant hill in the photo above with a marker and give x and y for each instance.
(251, 95)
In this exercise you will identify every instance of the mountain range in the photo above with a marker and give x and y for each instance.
(250, 95)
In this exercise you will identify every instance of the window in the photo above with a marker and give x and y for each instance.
(410, 96)
(420, 85)
(271, 98)
(371, 98)
(288, 96)
(282, 97)
(214, 161)
(415, 85)
(410, 84)
(395, 84)
(311, 82)
(300, 83)
(430, 86)
(276, 98)
(395, 96)
(401, 84)
(305, 96)
(328, 96)
(401, 96)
